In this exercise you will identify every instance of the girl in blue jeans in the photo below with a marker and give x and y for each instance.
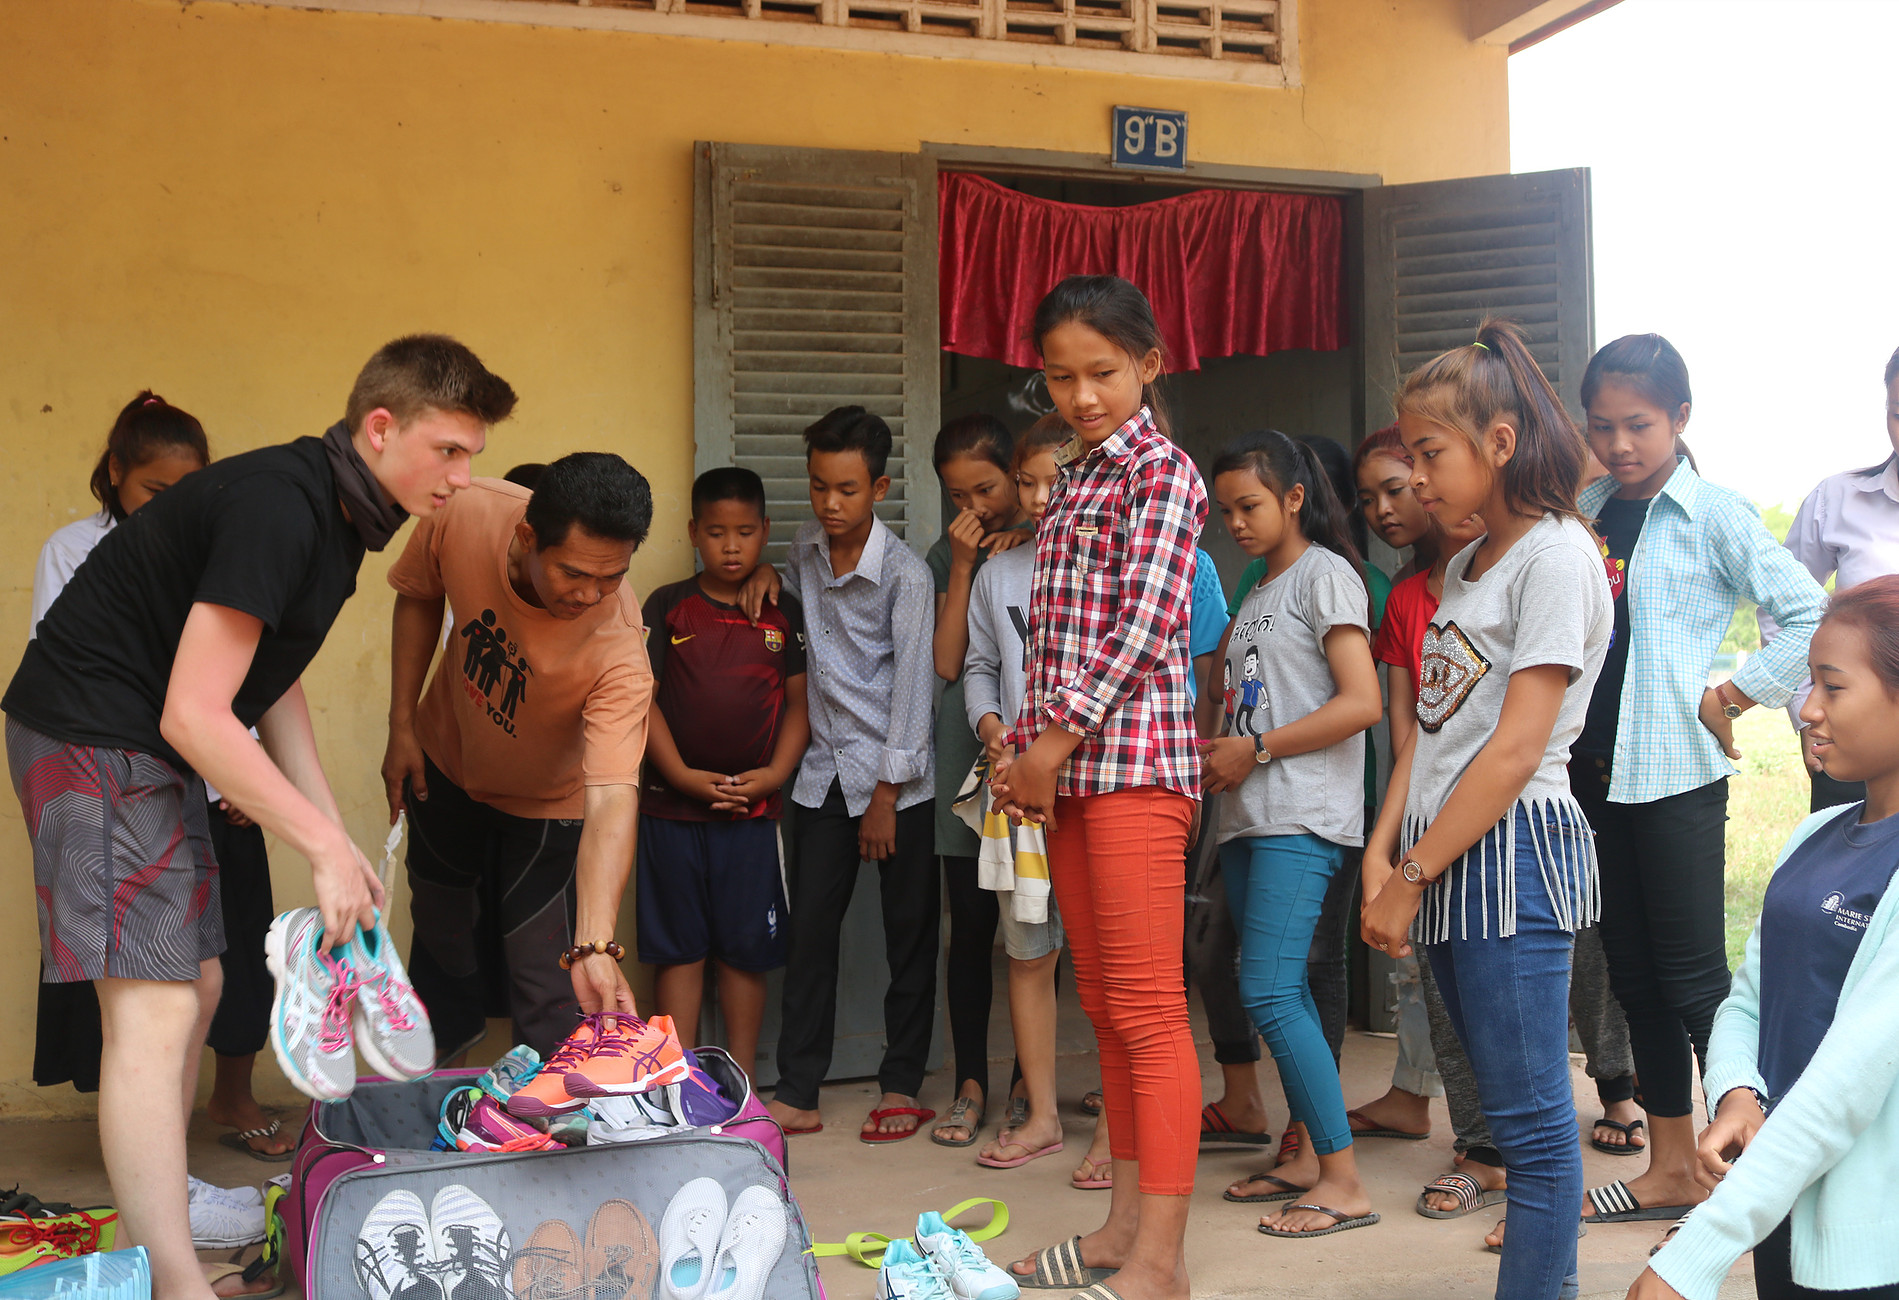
(1481, 842)
(1293, 766)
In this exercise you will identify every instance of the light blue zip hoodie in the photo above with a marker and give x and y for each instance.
(1829, 1154)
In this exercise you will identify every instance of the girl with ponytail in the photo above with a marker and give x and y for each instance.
(1652, 763)
(1480, 842)
(1292, 757)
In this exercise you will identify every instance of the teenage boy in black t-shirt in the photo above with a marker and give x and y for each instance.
(189, 624)
(728, 732)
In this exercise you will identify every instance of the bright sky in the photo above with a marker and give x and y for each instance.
(1745, 198)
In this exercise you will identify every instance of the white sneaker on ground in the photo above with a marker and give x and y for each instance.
(310, 1016)
(969, 1272)
(749, 1248)
(906, 1275)
(217, 1224)
(238, 1196)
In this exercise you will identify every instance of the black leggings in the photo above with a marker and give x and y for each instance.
(975, 913)
(1664, 924)
(1773, 1273)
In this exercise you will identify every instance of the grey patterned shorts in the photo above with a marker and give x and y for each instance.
(123, 869)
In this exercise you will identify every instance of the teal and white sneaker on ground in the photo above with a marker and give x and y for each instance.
(966, 1270)
(310, 1016)
(906, 1275)
(391, 1024)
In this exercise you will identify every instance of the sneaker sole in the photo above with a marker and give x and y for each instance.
(579, 1085)
(534, 1108)
(279, 971)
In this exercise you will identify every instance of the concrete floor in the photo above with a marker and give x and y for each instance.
(844, 1185)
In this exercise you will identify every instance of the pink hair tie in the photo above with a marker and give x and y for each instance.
(153, 400)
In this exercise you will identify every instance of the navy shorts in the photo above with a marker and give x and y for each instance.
(711, 889)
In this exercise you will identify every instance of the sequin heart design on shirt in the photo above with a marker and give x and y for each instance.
(1451, 668)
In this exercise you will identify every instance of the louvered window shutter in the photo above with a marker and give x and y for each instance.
(1441, 256)
(815, 287)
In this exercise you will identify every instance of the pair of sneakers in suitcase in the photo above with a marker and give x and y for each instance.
(329, 1005)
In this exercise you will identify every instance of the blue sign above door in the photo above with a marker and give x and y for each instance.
(1150, 139)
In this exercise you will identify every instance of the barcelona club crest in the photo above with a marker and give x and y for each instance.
(774, 640)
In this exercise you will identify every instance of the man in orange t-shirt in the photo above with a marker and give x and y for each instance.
(520, 766)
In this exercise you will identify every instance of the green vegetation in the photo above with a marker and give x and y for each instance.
(1766, 800)
(1744, 634)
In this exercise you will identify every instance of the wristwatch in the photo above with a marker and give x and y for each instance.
(1412, 870)
(1261, 754)
(1729, 709)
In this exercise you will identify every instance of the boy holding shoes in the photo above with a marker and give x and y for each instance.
(866, 785)
(726, 732)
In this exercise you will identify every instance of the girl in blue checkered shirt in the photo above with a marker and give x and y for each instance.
(1651, 766)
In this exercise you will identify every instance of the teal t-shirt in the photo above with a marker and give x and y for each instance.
(1378, 587)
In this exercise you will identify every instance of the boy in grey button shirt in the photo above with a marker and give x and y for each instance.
(865, 788)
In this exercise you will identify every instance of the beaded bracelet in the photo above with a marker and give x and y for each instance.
(581, 951)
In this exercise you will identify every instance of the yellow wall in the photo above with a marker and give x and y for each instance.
(235, 205)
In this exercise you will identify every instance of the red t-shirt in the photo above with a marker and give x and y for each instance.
(720, 687)
(1401, 636)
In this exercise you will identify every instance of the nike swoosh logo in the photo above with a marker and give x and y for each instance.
(680, 639)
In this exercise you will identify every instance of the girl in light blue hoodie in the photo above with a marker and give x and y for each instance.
(1803, 1061)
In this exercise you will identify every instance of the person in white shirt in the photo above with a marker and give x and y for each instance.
(1847, 530)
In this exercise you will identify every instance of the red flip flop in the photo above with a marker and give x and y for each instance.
(1217, 1130)
(801, 1132)
(880, 1115)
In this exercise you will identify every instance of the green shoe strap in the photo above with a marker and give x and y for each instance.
(867, 1248)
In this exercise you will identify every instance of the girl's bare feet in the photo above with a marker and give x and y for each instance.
(1488, 1177)
(1348, 1196)
(1397, 1110)
(1622, 1112)
(893, 1123)
(793, 1120)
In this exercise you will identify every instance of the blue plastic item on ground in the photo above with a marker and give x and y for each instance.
(104, 1275)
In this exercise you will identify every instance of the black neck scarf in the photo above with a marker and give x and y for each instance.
(376, 517)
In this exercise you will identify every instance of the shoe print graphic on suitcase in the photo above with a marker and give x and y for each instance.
(395, 1256)
(471, 1245)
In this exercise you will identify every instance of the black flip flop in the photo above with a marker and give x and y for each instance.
(1616, 1204)
(1627, 1148)
(1285, 1193)
(1341, 1222)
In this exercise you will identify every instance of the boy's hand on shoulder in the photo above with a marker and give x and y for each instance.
(877, 828)
(1007, 540)
(764, 585)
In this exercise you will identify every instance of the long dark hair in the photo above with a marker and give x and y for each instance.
(980, 435)
(1494, 378)
(1119, 313)
(147, 428)
(1650, 365)
(1280, 464)
(1337, 464)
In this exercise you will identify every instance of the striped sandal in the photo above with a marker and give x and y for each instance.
(1099, 1291)
(1471, 1196)
(1061, 1266)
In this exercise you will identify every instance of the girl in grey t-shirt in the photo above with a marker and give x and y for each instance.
(1493, 856)
(1292, 756)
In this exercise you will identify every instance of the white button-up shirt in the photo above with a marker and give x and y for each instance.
(1847, 530)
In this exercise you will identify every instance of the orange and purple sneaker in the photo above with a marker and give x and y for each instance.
(546, 1094)
(630, 1056)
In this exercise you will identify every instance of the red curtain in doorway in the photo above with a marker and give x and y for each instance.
(1229, 271)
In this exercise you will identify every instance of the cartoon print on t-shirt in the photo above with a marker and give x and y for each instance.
(1451, 668)
(1228, 696)
(1252, 694)
(489, 657)
(1618, 571)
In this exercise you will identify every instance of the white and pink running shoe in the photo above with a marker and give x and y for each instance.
(392, 1025)
(310, 1016)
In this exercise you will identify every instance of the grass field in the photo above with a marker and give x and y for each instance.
(1766, 800)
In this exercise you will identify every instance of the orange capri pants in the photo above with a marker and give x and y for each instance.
(1117, 863)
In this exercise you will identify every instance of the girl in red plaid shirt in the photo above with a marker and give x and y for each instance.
(1108, 759)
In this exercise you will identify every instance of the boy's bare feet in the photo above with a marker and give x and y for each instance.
(893, 1123)
(1397, 1110)
(793, 1120)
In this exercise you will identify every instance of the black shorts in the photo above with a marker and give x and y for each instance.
(711, 889)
